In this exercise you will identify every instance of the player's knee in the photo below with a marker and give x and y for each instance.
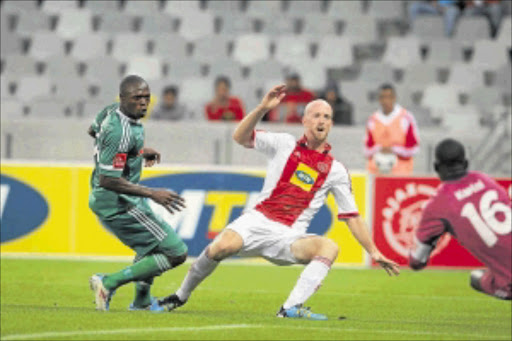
(329, 248)
(228, 244)
(475, 279)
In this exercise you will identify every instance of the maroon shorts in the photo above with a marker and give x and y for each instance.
(490, 287)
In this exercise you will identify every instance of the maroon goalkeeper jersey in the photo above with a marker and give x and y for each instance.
(477, 212)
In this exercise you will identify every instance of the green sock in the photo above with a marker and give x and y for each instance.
(147, 267)
(142, 293)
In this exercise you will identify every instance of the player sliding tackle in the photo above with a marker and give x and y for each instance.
(300, 175)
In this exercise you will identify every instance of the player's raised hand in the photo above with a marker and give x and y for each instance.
(150, 156)
(172, 201)
(273, 97)
(388, 265)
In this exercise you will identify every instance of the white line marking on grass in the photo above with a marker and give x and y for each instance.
(52, 335)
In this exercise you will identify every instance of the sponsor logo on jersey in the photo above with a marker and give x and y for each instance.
(304, 177)
(215, 199)
(119, 160)
(402, 216)
(22, 209)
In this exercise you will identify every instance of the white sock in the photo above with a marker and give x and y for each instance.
(309, 281)
(200, 269)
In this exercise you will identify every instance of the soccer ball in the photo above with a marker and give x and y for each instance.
(385, 162)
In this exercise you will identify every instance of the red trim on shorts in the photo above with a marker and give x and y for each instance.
(342, 216)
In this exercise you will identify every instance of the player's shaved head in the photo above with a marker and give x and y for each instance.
(317, 105)
(130, 83)
(451, 162)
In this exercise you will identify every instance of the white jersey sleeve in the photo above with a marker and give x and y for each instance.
(341, 188)
(269, 143)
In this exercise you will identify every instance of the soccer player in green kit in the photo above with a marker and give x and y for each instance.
(121, 203)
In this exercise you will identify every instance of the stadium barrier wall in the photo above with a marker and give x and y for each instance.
(44, 209)
(398, 203)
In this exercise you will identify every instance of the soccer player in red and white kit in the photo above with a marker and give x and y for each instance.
(300, 175)
(474, 209)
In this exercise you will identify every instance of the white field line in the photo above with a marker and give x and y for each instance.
(239, 326)
(67, 334)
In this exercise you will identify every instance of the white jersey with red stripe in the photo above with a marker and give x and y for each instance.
(298, 181)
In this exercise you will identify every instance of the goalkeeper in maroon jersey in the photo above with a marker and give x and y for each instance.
(476, 211)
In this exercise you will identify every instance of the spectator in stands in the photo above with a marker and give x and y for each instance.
(224, 107)
(293, 104)
(170, 109)
(391, 136)
(341, 108)
(449, 9)
(492, 9)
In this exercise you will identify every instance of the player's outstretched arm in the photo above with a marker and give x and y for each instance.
(358, 228)
(243, 132)
(150, 156)
(168, 199)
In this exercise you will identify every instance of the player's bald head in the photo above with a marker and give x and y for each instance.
(131, 83)
(317, 105)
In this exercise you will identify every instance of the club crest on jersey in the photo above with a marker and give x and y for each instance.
(119, 161)
(304, 177)
(402, 216)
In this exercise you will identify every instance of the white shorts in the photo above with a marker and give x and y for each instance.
(266, 238)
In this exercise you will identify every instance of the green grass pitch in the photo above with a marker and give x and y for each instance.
(50, 299)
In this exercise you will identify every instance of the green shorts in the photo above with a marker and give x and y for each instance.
(144, 232)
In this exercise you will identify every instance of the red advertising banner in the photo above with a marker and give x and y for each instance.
(398, 203)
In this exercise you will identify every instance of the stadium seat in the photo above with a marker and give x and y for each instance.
(444, 52)
(335, 52)
(74, 23)
(386, 9)
(169, 46)
(265, 69)
(57, 6)
(439, 98)
(88, 46)
(251, 48)
(428, 27)
(5, 87)
(196, 25)
(289, 49)
(357, 93)
(180, 69)
(464, 76)
(91, 108)
(313, 76)
(11, 109)
(210, 48)
(471, 29)
(11, 44)
(19, 6)
(345, 9)
(484, 98)
(489, 55)
(376, 73)
(147, 67)
(127, 44)
(503, 80)
(319, 24)
(146, 7)
(401, 52)
(302, 7)
(30, 22)
(61, 66)
(16, 66)
(461, 119)
(263, 7)
(106, 89)
(247, 91)
(70, 88)
(233, 25)
(221, 7)
(157, 23)
(405, 95)
(505, 32)
(277, 24)
(196, 91)
(176, 7)
(417, 76)
(115, 22)
(103, 6)
(225, 67)
(30, 87)
(45, 45)
(51, 109)
(361, 31)
(103, 68)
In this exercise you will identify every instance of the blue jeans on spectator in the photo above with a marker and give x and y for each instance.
(493, 12)
(450, 13)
